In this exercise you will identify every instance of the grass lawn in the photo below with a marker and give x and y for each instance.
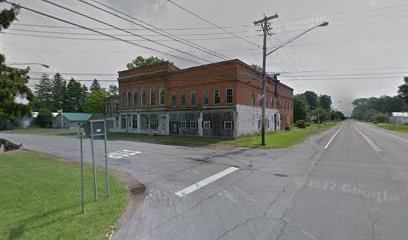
(280, 139)
(394, 127)
(40, 199)
(43, 131)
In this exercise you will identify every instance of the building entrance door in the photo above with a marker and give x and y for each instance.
(174, 128)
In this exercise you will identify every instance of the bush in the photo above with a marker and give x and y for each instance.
(44, 118)
(300, 124)
(379, 118)
(287, 127)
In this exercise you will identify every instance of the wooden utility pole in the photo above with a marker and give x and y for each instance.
(265, 28)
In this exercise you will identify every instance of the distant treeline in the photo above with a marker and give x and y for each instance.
(308, 105)
(379, 109)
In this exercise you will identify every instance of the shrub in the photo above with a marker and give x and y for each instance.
(44, 118)
(287, 127)
(300, 124)
(379, 117)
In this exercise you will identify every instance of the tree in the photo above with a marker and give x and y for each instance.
(44, 118)
(325, 102)
(113, 90)
(13, 83)
(58, 92)
(142, 62)
(95, 86)
(403, 90)
(311, 99)
(95, 102)
(257, 68)
(75, 97)
(299, 107)
(321, 114)
(337, 115)
(43, 90)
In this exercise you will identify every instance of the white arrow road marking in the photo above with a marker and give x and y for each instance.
(204, 182)
(123, 153)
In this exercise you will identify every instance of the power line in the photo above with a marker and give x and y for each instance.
(141, 29)
(351, 74)
(341, 79)
(110, 25)
(113, 52)
(96, 31)
(118, 35)
(352, 69)
(215, 25)
(183, 40)
(10, 32)
(155, 30)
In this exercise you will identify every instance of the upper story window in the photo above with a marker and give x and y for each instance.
(183, 100)
(129, 98)
(123, 99)
(229, 95)
(135, 98)
(193, 99)
(205, 97)
(161, 96)
(253, 99)
(152, 97)
(173, 100)
(217, 96)
(143, 97)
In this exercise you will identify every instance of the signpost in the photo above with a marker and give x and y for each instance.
(98, 129)
(82, 170)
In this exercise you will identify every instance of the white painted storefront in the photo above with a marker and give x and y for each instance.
(239, 120)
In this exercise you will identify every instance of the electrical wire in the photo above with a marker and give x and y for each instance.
(96, 31)
(123, 30)
(211, 23)
(155, 29)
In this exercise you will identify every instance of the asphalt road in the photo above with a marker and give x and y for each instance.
(346, 183)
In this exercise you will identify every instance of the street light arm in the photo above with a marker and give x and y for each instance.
(27, 64)
(298, 36)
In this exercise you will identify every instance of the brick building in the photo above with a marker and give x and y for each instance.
(214, 100)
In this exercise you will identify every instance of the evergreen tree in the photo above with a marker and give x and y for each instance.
(113, 90)
(43, 90)
(75, 97)
(58, 92)
(13, 83)
(95, 86)
(403, 90)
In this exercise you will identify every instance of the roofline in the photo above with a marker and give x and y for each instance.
(236, 60)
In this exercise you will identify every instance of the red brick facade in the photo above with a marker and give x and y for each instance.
(230, 83)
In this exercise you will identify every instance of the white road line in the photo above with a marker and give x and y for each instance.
(391, 135)
(204, 182)
(372, 144)
(332, 138)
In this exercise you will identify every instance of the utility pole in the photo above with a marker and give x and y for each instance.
(264, 22)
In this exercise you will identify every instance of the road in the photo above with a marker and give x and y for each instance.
(349, 182)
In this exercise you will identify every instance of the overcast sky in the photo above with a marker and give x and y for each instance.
(362, 53)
